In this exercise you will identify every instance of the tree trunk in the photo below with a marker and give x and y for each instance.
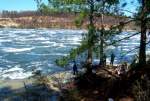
(102, 42)
(89, 61)
(101, 51)
(102, 37)
(90, 39)
(142, 51)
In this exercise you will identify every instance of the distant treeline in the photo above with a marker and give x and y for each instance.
(16, 14)
(36, 19)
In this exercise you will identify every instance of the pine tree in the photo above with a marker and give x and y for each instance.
(144, 12)
(87, 9)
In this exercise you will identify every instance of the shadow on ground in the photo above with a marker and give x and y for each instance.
(28, 93)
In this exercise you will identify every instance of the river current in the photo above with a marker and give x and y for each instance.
(25, 50)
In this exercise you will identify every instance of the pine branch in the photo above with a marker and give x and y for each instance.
(116, 41)
(137, 47)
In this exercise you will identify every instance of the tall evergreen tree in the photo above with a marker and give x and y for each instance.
(142, 19)
(88, 9)
(144, 12)
(91, 33)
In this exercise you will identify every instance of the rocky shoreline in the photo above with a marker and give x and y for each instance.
(55, 82)
(8, 22)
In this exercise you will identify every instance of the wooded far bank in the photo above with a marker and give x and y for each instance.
(58, 20)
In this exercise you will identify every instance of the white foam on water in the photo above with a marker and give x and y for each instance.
(17, 75)
(46, 42)
(74, 43)
(16, 68)
(76, 39)
(5, 40)
(40, 39)
(38, 54)
(96, 61)
(57, 44)
(131, 44)
(59, 54)
(110, 47)
(42, 43)
(132, 54)
(13, 50)
(148, 52)
(14, 73)
(60, 45)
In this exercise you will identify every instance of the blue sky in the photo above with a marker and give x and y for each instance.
(21, 5)
(131, 6)
(18, 5)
